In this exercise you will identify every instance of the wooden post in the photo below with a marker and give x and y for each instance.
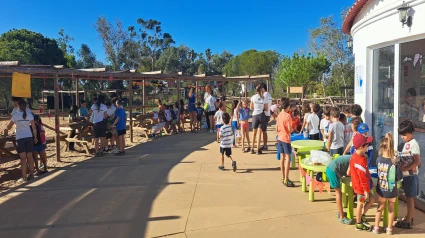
(63, 117)
(42, 101)
(143, 96)
(196, 91)
(130, 99)
(178, 90)
(58, 152)
(267, 84)
(245, 91)
(77, 93)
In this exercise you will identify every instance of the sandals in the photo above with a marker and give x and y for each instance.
(403, 224)
(245, 150)
(288, 183)
(221, 167)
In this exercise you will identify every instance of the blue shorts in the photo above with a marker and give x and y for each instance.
(339, 151)
(410, 186)
(39, 148)
(192, 107)
(284, 148)
(334, 181)
(218, 126)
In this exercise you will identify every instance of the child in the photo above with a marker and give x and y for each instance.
(40, 146)
(273, 112)
(348, 131)
(199, 113)
(355, 122)
(218, 117)
(72, 118)
(83, 111)
(324, 124)
(244, 114)
(335, 170)
(312, 125)
(386, 187)
(120, 124)
(361, 180)
(177, 111)
(356, 111)
(226, 134)
(284, 130)
(174, 120)
(306, 113)
(410, 165)
(347, 112)
(235, 116)
(109, 120)
(335, 143)
(168, 118)
(296, 123)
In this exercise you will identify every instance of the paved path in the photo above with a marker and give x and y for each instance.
(172, 187)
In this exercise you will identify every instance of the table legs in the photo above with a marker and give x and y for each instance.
(344, 195)
(350, 202)
(303, 183)
(310, 188)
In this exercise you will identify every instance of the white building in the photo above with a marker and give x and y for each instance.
(390, 67)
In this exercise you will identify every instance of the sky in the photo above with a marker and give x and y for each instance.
(230, 25)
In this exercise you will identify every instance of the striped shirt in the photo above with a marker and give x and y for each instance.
(226, 134)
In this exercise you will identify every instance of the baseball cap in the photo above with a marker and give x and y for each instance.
(362, 128)
(360, 140)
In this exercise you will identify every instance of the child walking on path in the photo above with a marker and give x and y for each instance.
(386, 188)
(410, 160)
(335, 142)
(244, 112)
(235, 124)
(226, 134)
(120, 123)
(284, 129)
(40, 146)
(361, 180)
(219, 119)
(335, 170)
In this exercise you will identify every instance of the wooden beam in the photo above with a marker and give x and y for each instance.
(152, 72)
(245, 89)
(130, 98)
(58, 152)
(9, 63)
(178, 90)
(77, 96)
(143, 96)
(199, 75)
(93, 70)
(239, 77)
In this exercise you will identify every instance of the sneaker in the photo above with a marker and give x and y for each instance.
(264, 148)
(337, 214)
(388, 231)
(221, 167)
(211, 131)
(115, 151)
(234, 166)
(361, 227)
(375, 230)
(345, 221)
(22, 180)
(30, 177)
(364, 221)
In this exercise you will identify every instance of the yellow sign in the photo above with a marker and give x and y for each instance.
(21, 85)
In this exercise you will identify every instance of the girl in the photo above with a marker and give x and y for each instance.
(243, 118)
(24, 125)
(274, 111)
(235, 116)
(258, 106)
(306, 113)
(40, 146)
(177, 112)
(355, 122)
(72, 118)
(386, 187)
(181, 108)
(98, 111)
(210, 100)
(192, 109)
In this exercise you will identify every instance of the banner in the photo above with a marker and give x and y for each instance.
(21, 85)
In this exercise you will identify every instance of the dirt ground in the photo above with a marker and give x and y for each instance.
(10, 169)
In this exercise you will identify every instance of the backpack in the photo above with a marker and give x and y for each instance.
(41, 134)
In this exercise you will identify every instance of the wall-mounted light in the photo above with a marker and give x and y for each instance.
(402, 14)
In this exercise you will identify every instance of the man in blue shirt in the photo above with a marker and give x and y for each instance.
(120, 123)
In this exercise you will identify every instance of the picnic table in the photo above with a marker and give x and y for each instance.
(81, 137)
(3, 141)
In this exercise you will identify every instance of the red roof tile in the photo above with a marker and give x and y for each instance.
(352, 14)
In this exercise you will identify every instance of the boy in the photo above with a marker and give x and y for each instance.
(356, 111)
(361, 180)
(218, 117)
(313, 122)
(348, 132)
(335, 170)
(199, 113)
(324, 124)
(109, 120)
(335, 143)
(296, 122)
(284, 130)
(120, 124)
(226, 135)
(83, 111)
(410, 164)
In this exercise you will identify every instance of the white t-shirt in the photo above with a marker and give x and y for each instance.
(413, 147)
(273, 108)
(98, 115)
(235, 115)
(111, 111)
(324, 125)
(16, 109)
(348, 134)
(219, 117)
(258, 104)
(337, 129)
(314, 121)
(23, 126)
(211, 102)
(268, 100)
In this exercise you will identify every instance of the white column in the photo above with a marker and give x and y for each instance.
(396, 91)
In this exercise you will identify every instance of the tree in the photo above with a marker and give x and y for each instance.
(252, 62)
(175, 59)
(152, 40)
(329, 40)
(301, 70)
(87, 61)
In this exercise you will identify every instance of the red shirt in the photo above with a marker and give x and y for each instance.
(295, 122)
(283, 125)
(360, 176)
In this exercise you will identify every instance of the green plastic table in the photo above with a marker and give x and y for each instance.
(304, 147)
(310, 169)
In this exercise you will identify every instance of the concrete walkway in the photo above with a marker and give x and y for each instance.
(172, 187)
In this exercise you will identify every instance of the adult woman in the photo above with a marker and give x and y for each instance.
(192, 109)
(24, 138)
(235, 119)
(210, 100)
(258, 106)
(98, 111)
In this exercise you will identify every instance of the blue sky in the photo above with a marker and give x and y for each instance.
(220, 25)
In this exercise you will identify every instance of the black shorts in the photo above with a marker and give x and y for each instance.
(99, 129)
(199, 118)
(266, 122)
(227, 151)
(315, 137)
(258, 121)
(121, 132)
(211, 113)
(25, 145)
